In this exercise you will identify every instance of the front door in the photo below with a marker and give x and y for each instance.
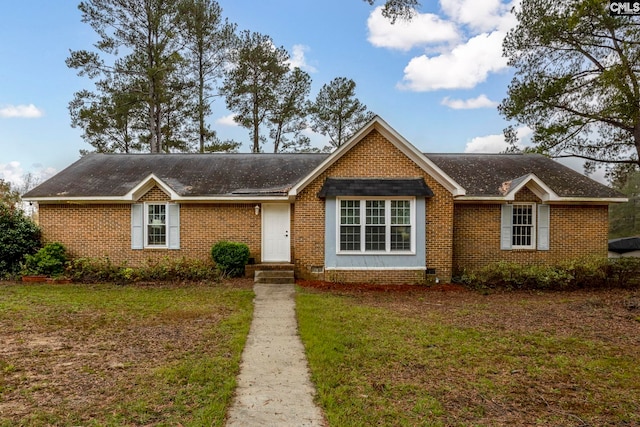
(276, 243)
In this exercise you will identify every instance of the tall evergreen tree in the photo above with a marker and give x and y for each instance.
(288, 118)
(576, 83)
(110, 120)
(250, 87)
(146, 29)
(208, 41)
(337, 113)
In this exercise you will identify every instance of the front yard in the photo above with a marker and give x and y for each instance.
(396, 357)
(100, 355)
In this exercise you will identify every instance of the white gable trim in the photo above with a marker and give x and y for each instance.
(147, 184)
(399, 142)
(537, 187)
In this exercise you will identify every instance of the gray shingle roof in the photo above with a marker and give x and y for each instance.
(487, 175)
(255, 175)
(374, 187)
(189, 175)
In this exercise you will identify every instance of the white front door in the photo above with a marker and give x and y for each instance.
(276, 221)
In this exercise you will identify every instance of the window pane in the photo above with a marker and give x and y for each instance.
(350, 212)
(401, 212)
(156, 225)
(375, 212)
(375, 238)
(400, 238)
(349, 238)
(522, 232)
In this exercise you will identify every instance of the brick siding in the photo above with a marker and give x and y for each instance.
(372, 156)
(574, 231)
(99, 230)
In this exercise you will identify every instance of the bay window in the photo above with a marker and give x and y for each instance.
(376, 225)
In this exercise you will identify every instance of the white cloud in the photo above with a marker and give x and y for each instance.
(227, 121)
(480, 15)
(423, 29)
(463, 42)
(11, 172)
(462, 68)
(299, 60)
(14, 172)
(468, 104)
(20, 111)
(496, 143)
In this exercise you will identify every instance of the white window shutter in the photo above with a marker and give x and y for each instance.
(137, 226)
(543, 227)
(174, 225)
(506, 226)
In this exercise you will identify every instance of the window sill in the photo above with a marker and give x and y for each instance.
(372, 253)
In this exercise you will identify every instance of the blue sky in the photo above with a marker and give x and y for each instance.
(436, 80)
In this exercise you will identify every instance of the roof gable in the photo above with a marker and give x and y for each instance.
(396, 140)
(530, 181)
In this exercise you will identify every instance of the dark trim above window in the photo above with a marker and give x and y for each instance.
(370, 187)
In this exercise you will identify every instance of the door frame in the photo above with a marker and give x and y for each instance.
(268, 206)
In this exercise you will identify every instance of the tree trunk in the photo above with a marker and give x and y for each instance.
(636, 141)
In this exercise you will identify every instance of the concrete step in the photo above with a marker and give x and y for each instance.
(274, 276)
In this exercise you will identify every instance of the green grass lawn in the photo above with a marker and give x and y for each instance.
(101, 355)
(428, 358)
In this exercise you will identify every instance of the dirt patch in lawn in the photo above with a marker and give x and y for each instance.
(69, 363)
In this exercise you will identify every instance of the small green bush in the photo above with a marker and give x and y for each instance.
(49, 260)
(19, 236)
(230, 257)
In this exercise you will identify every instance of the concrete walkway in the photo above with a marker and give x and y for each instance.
(273, 386)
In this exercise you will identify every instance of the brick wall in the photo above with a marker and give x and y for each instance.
(374, 156)
(575, 231)
(98, 230)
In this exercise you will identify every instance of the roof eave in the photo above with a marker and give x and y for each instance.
(179, 199)
(554, 200)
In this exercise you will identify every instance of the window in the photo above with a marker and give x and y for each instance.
(525, 226)
(350, 225)
(155, 225)
(523, 220)
(379, 226)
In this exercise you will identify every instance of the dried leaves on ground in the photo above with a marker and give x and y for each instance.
(445, 355)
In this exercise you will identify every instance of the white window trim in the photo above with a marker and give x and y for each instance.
(388, 225)
(534, 227)
(146, 225)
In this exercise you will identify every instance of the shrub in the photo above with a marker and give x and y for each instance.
(230, 257)
(589, 272)
(96, 270)
(624, 272)
(19, 236)
(49, 260)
